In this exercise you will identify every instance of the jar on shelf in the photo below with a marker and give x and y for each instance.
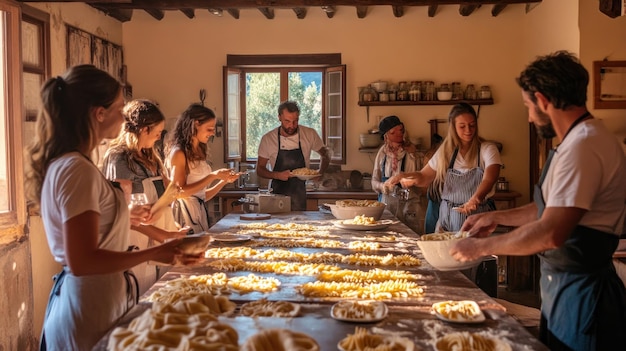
(484, 92)
(429, 91)
(415, 93)
(370, 94)
(470, 92)
(393, 90)
(383, 96)
(457, 92)
(403, 92)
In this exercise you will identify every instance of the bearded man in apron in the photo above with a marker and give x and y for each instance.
(286, 148)
(576, 217)
(396, 157)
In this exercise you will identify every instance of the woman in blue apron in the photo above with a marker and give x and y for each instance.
(466, 165)
(86, 219)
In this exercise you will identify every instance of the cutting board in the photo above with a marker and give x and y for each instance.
(255, 216)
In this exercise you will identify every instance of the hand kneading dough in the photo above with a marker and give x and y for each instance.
(280, 340)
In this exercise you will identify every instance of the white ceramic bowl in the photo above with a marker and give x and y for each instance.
(369, 140)
(436, 252)
(349, 212)
(444, 95)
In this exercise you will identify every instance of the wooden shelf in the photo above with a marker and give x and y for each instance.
(424, 103)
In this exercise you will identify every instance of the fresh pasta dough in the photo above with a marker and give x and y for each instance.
(280, 340)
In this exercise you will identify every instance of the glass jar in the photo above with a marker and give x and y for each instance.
(393, 89)
(370, 94)
(429, 91)
(457, 93)
(414, 92)
(484, 92)
(383, 96)
(470, 92)
(403, 92)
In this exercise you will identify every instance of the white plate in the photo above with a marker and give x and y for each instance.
(232, 238)
(478, 317)
(376, 226)
(306, 177)
(378, 306)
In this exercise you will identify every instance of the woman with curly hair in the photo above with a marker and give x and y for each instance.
(187, 161)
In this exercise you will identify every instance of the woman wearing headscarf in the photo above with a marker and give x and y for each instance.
(396, 157)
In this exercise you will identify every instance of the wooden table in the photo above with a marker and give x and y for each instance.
(408, 317)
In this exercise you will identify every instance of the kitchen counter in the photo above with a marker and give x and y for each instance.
(314, 198)
(409, 317)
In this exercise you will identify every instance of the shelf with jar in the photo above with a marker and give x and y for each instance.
(434, 102)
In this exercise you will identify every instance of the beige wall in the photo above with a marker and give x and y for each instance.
(171, 59)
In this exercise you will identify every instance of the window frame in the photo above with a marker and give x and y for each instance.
(240, 65)
(11, 221)
(40, 19)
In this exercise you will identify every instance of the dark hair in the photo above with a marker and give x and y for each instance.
(290, 106)
(559, 76)
(185, 129)
(139, 114)
(64, 123)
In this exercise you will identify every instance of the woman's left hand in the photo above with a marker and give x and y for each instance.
(139, 214)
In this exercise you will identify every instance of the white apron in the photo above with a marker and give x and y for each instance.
(81, 310)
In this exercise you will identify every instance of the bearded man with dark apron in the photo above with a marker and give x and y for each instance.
(458, 188)
(582, 297)
(293, 187)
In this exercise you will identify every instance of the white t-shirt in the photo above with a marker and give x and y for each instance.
(73, 185)
(197, 171)
(489, 155)
(588, 171)
(309, 141)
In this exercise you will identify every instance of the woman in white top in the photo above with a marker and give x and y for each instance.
(190, 170)
(466, 166)
(86, 218)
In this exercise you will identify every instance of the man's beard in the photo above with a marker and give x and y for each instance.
(545, 131)
(290, 131)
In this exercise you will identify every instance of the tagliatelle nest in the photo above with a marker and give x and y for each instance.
(304, 171)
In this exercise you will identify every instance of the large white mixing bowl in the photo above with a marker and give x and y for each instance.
(436, 252)
(349, 212)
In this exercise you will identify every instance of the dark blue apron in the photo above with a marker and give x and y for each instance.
(293, 187)
(583, 303)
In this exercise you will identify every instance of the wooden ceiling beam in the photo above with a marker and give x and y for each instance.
(157, 14)
(205, 4)
(330, 11)
(432, 10)
(398, 11)
(233, 12)
(466, 10)
(495, 11)
(267, 12)
(189, 13)
(361, 11)
(300, 12)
